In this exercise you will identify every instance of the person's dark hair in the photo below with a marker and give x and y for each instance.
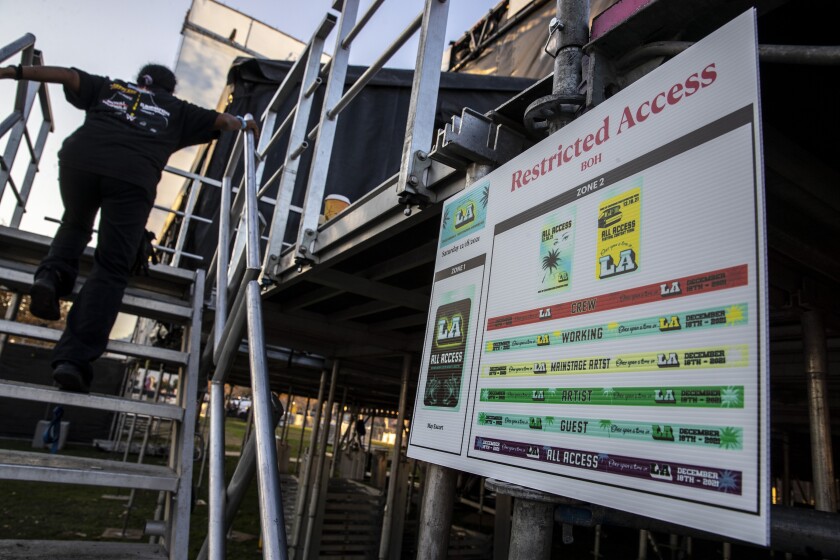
(156, 75)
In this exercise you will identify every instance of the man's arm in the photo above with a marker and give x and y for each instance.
(67, 77)
(230, 122)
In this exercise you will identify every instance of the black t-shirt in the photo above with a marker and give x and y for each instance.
(130, 131)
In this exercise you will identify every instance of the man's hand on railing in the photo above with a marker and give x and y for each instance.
(67, 77)
(226, 121)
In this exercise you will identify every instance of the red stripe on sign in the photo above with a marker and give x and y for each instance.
(686, 286)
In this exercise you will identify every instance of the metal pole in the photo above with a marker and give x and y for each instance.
(319, 467)
(387, 523)
(142, 455)
(786, 497)
(412, 469)
(336, 440)
(480, 501)
(501, 525)
(287, 412)
(302, 432)
(303, 487)
(532, 530)
(816, 368)
(11, 315)
(596, 553)
(370, 437)
(216, 489)
(271, 506)
(249, 425)
(574, 16)
(240, 481)
(642, 544)
(436, 513)
(130, 437)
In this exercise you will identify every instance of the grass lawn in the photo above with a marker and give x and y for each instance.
(33, 510)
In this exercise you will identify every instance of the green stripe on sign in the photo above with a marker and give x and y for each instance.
(702, 436)
(731, 396)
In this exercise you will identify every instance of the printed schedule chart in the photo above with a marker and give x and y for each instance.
(597, 326)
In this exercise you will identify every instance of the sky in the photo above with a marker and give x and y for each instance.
(116, 38)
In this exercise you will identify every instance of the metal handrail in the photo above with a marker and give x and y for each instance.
(431, 24)
(15, 125)
(229, 323)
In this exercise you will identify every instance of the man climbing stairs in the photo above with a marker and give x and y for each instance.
(167, 294)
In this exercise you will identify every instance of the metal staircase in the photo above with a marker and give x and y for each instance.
(167, 294)
(242, 273)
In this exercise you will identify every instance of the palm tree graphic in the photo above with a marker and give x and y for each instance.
(551, 261)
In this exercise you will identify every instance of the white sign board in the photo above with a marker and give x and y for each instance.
(598, 323)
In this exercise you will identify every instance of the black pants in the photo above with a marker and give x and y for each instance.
(124, 209)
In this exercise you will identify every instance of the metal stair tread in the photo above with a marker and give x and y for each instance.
(32, 247)
(135, 301)
(114, 346)
(79, 550)
(47, 467)
(46, 394)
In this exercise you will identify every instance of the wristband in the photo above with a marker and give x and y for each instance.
(242, 121)
(18, 72)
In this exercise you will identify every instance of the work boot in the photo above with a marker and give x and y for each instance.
(43, 296)
(70, 377)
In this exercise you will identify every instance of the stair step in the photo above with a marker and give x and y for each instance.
(116, 346)
(79, 550)
(45, 394)
(136, 302)
(27, 247)
(46, 467)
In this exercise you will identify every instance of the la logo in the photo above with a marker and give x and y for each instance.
(545, 313)
(669, 324)
(666, 434)
(465, 215)
(666, 397)
(660, 471)
(672, 290)
(671, 360)
(626, 263)
(449, 330)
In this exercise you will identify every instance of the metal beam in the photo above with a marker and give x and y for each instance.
(343, 332)
(372, 289)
